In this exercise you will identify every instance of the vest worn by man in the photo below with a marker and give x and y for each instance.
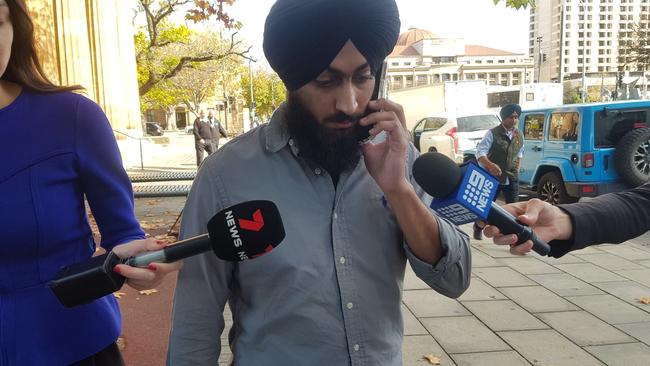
(504, 151)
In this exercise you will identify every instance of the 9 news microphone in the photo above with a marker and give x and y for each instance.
(237, 233)
(464, 194)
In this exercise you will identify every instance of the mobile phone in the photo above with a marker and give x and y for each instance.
(363, 132)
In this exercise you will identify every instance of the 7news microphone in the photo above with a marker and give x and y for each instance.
(464, 194)
(237, 233)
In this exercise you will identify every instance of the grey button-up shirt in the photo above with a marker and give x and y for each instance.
(330, 293)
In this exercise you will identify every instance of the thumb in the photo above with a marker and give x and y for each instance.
(533, 208)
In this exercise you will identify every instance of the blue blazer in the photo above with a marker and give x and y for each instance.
(56, 149)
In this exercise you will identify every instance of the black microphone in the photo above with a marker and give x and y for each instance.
(240, 232)
(464, 194)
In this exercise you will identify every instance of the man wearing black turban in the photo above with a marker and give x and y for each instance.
(330, 293)
(500, 152)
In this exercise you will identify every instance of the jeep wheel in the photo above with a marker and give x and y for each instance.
(632, 157)
(551, 189)
(432, 149)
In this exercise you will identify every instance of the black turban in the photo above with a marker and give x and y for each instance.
(302, 37)
(508, 109)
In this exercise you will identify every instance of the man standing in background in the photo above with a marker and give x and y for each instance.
(500, 152)
(202, 137)
(216, 131)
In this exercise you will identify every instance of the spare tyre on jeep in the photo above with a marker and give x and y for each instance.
(632, 157)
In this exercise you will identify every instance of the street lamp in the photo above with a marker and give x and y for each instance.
(539, 58)
(584, 53)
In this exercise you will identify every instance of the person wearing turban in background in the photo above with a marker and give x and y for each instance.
(500, 152)
(330, 293)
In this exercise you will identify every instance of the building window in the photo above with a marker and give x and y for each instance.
(422, 80)
(407, 63)
(470, 76)
(446, 77)
(481, 76)
(490, 61)
(478, 61)
(502, 61)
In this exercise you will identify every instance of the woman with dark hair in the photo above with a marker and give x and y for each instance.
(57, 148)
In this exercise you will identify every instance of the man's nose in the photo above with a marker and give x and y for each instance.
(346, 99)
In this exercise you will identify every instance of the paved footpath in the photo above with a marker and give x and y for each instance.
(582, 309)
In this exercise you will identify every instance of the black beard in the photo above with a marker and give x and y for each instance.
(336, 150)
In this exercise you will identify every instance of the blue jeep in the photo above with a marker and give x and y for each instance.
(584, 150)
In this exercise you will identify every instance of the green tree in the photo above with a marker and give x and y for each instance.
(268, 91)
(160, 45)
(517, 4)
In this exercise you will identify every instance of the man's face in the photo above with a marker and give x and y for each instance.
(210, 115)
(340, 94)
(323, 114)
(511, 121)
(6, 36)
(202, 114)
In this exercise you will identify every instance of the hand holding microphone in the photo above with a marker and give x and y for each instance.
(240, 232)
(548, 221)
(464, 194)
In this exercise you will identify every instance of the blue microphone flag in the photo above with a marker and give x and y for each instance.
(473, 198)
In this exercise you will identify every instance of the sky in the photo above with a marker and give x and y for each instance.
(477, 21)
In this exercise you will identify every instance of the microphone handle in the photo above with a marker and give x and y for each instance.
(508, 224)
(182, 249)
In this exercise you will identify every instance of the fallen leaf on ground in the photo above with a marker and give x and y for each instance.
(645, 300)
(434, 360)
(148, 292)
(119, 295)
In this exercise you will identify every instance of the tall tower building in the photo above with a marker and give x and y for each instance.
(567, 35)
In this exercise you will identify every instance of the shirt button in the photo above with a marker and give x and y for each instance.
(342, 260)
(290, 142)
(350, 306)
(356, 348)
(335, 216)
(317, 171)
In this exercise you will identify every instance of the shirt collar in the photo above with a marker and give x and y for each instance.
(277, 133)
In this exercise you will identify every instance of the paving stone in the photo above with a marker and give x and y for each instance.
(584, 329)
(497, 251)
(412, 282)
(548, 347)
(633, 354)
(588, 250)
(645, 264)
(529, 265)
(480, 259)
(589, 272)
(609, 261)
(417, 346)
(479, 290)
(412, 325)
(610, 309)
(628, 291)
(565, 259)
(641, 276)
(463, 334)
(565, 284)
(626, 251)
(428, 303)
(537, 299)
(500, 358)
(640, 331)
(502, 277)
(501, 315)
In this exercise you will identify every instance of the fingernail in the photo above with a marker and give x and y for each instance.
(152, 267)
(117, 270)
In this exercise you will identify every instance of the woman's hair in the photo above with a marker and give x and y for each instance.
(24, 67)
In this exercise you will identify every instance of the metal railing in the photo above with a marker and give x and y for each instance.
(139, 142)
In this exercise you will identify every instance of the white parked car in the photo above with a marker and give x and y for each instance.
(452, 133)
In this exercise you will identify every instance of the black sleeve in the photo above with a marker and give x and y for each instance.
(610, 218)
(221, 130)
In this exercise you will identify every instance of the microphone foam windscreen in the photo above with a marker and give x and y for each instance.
(437, 174)
(246, 230)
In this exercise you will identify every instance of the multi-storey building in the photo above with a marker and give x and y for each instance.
(567, 35)
(422, 58)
